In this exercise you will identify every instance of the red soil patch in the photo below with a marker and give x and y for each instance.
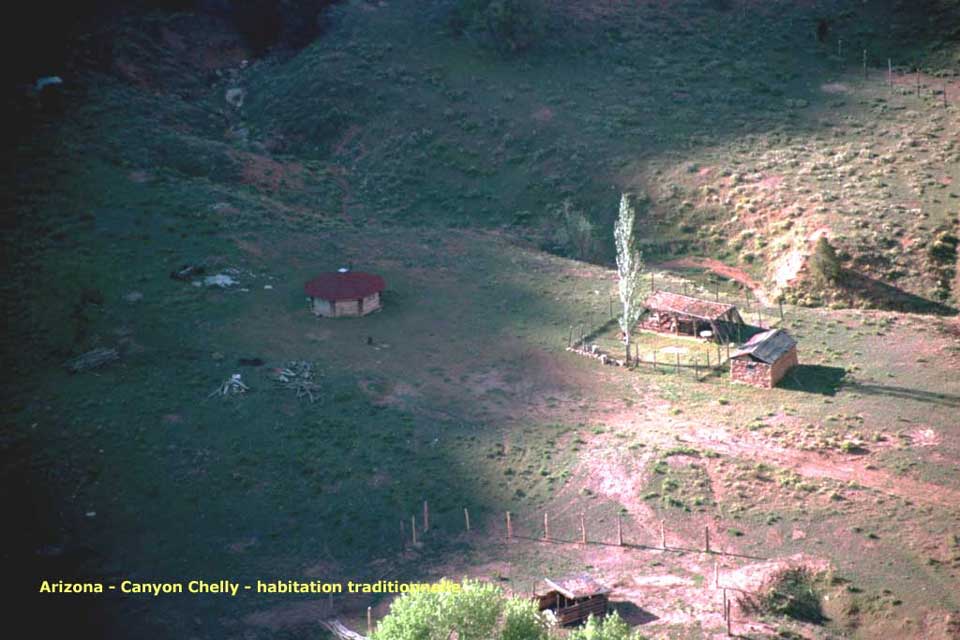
(543, 114)
(268, 174)
(733, 273)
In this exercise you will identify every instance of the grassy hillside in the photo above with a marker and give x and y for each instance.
(481, 183)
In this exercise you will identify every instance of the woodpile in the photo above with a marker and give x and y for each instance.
(593, 351)
(299, 376)
(231, 386)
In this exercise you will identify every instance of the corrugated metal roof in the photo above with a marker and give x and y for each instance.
(573, 587)
(768, 346)
(687, 305)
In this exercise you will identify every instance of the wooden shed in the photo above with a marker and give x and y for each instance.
(574, 598)
(668, 312)
(344, 293)
(764, 359)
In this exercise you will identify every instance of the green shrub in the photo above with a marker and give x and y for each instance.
(792, 593)
(507, 25)
(824, 264)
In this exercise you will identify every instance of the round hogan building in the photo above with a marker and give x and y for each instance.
(344, 293)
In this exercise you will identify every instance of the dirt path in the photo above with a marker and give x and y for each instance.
(715, 266)
(811, 464)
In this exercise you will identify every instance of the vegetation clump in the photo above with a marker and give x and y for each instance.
(792, 593)
(506, 25)
(825, 264)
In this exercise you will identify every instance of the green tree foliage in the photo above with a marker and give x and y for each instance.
(629, 268)
(824, 264)
(507, 25)
(571, 232)
(612, 627)
(478, 611)
(522, 620)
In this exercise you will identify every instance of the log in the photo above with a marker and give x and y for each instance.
(92, 360)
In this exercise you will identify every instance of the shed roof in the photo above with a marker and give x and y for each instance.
(578, 586)
(768, 346)
(686, 305)
(349, 285)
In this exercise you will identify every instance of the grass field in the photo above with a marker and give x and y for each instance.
(445, 169)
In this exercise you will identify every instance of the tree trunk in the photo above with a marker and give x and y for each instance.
(627, 361)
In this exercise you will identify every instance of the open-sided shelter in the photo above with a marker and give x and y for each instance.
(764, 359)
(668, 312)
(344, 293)
(574, 598)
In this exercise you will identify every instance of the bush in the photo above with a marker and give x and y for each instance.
(791, 593)
(507, 25)
(611, 627)
(824, 264)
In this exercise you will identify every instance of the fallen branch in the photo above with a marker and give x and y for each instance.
(231, 386)
(298, 375)
(92, 360)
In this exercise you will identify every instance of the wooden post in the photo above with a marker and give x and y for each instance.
(716, 575)
(944, 94)
(918, 81)
(583, 529)
(706, 539)
(426, 516)
(620, 529)
(727, 607)
(726, 610)
(840, 48)
(369, 621)
(610, 298)
(546, 526)
(717, 291)
(890, 73)
(413, 529)
(570, 339)
(864, 64)
(653, 283)
(663, 536)
(466, 518)
(509, 527)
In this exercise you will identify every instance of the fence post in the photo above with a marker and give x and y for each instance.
(413, 529)
(663, 536)
(466, 518)
(620, 529)
(369, 621)
(840, 48)
(546, 526)
(509, 527)
(583, 529)
(426, 516)
(706, 539)
(890, 73)
(864, 64)
(716, 575)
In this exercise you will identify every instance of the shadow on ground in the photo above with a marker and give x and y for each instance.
(815, 378)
